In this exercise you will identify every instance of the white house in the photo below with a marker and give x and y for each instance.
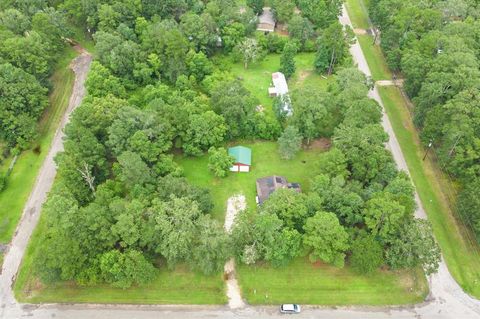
(280, 89)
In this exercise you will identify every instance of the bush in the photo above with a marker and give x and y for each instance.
(3, 182)
(275, 42)
(367, 254)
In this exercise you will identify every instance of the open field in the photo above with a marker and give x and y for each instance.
(258, 76)
(356, 13)
(462, 256)
(265, 161)
(373, 54)
(321, 284)
(24, 173)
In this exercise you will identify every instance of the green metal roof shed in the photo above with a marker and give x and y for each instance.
(242, 155)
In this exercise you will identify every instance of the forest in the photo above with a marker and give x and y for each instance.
(121, 207)
(438, 54)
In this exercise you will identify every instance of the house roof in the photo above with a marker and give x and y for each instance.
(266, 22)
(242, 154)
(280, 83)
(267, 185)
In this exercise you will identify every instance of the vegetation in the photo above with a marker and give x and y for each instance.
(134, 195)
(321, 284)
(436, 190)
(21, 179)
(438, 51)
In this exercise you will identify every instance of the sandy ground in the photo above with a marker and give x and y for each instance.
(235, 205)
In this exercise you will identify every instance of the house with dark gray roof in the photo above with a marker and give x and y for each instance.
(267, 185)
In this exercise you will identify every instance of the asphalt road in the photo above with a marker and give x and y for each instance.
(446, 300)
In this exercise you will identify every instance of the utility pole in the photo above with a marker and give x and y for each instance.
(428, 148)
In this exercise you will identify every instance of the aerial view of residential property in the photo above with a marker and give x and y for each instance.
(198, 159)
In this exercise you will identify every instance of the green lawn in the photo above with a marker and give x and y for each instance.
(24, 173)
(169, 287)
(462, 255)
(258, 76)
(320, 284)
(265, 162)
(373, 52)
(356, 14)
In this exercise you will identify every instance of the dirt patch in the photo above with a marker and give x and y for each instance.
(320, 144)
(303, 75)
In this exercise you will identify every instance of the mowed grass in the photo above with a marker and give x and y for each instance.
(24, 173)
(373, 52)
(320, 284)
(258, 76)
(265, 162)
(462, 255)
(375, 59)
(180, 286)
(356, 14)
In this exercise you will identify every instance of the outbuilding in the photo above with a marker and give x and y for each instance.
(243, 158)
(266, 21)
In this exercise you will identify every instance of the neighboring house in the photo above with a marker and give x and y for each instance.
(243, 158)
(280, 89)
(267, 185)
(266, 21)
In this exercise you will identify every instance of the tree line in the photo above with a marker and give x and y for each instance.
(434, 44)
(31, 33)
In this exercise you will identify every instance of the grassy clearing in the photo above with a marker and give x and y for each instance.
(170, 287)
(265, 161)
(320, 284)
(22, 178)
(462, 256)
(258, 76)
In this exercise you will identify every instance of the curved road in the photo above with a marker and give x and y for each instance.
(446, 300)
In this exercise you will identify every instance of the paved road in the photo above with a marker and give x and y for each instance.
(443, 288)
(447, 300)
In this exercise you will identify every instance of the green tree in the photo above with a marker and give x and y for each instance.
(22, 100)
(256, 5)
(326, 239)
(384, 216)
(125, 269)
(283, 10)
(237, 105)
(289, 206)
(219, 162)
(132, 170)
(212, 247)
(367, 254)
(205, 130)
(414, 246)
(468, 205)
(287, 59)
(300, 29)
(175, 222)
(311, 113)
(250, 50)
(289, 143)
(333, 45)
(232, 35)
